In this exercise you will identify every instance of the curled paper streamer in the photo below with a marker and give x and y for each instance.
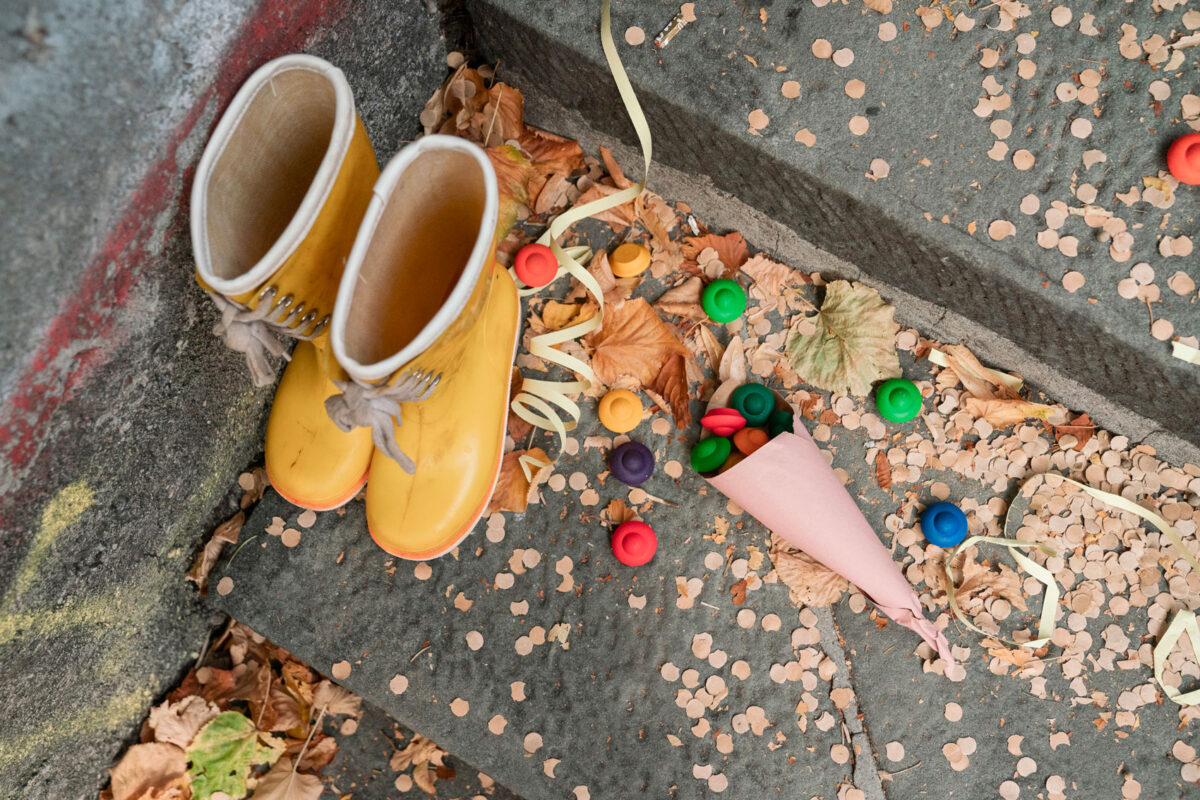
(788, 487)
(1184, 620)
(536, 401)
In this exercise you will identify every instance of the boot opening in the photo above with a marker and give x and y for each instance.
(266, 168)
(418, 253)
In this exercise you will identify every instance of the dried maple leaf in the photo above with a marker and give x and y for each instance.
(683, 300)
(731, 249)
(809, 582)
(177, 723)
(883, 471)
(283, 782)
(618, 217)
(513, 489)
(853, 344)
(633, 342)
(1082, 428)
(226, 533)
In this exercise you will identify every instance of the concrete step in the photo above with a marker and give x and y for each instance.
(123, 422)
(922, 232)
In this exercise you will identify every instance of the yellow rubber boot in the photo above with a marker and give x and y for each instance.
(277, 200)
(426, 325)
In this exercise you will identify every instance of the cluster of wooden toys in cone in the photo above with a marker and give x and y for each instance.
(754, 417)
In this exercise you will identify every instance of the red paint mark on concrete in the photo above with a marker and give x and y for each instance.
(81, 336)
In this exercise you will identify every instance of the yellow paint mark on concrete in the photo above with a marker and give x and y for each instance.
(125, 607)
(118, 712)
(59, 514)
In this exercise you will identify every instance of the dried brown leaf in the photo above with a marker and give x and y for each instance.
(336, 700)
(282, 782)
(731, 249)
(177, 723)
(671, 384)
(149, 772)
(683, 300)
(809, 582)
(513, 489)
(852, 342)
(1002, 413)
(1082, 428)
(633, 342)
(226, 533)
(883, 471)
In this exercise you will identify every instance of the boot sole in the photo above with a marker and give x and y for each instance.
(314, 507)
(429, 555)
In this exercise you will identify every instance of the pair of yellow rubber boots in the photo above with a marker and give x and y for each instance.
(406, 324)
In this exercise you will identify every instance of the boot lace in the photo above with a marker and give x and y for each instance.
(378, 407)
(249, 330)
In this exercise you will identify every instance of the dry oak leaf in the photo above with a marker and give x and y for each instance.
(513, 489)
(854, 343)
(282, 782)
(178, 723)
(148, 771)
(809, 582)
(731, 249)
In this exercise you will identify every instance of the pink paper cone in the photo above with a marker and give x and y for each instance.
(787, 486)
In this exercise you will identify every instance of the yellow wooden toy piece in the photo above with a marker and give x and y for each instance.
(629, 260)
(620, 411)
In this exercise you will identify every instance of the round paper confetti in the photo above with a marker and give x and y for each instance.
(1073, 281)
(758, 119)
(634, 35)
(497, 724)
(533, 742)
(822, 48)
(790, 89)
(398, 684)
(859, 125)
(225, 586)
(855, 88)
(340, 671)
(474, 640)
(843, 57)
(1023, 160)
(290, 537)
(459, 707)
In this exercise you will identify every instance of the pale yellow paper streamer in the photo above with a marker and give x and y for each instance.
(1185, 352)
(537, 398)
(1184, 620)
